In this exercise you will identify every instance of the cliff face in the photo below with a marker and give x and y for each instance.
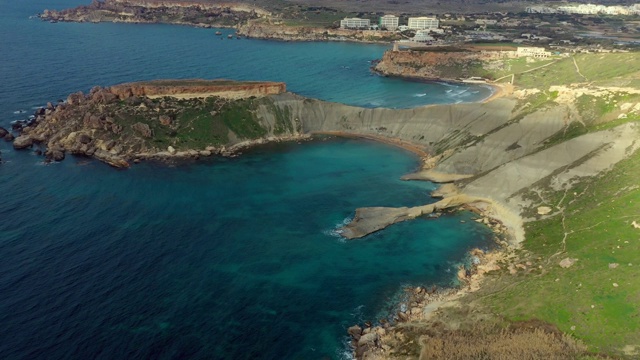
(499, 147)
(200, 4)
(197, 88)
(432, 64)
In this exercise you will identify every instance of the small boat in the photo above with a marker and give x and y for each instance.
(218, 32)
(230, 36)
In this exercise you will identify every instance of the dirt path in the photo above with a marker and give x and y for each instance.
(513, 76)
(578, 69)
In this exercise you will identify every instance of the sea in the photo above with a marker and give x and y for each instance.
(216, 259)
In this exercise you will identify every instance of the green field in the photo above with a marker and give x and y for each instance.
(597, 298)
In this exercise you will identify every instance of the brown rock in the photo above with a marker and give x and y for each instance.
(22, 142)
(355, 332)
(92, 121)
(402, 317)
(142, 129)
(74, 99)
(165, 120)
(9, 137)
(84, 138)
(55, 154)
(3, 132)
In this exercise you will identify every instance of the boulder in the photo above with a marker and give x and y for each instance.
(3, 132)
(171, 150)
(22, 142)
(402, 317)
(142, 129)
(369, 339)
(355, 332)
(165, 120)
(9, 137)
(92, 121)
(84, 138)
(111, 159)
(567, 262)
(544, 210)
(55, 154)
(74, 99)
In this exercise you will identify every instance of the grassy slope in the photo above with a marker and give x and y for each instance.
(582, 300)
(596, 215)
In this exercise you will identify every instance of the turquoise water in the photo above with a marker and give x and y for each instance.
(219, 259)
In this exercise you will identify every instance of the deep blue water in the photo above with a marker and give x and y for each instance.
(219, 259)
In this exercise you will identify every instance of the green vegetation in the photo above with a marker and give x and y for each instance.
(608, 67)
(195, 123)
(595, 299)
(238, 116)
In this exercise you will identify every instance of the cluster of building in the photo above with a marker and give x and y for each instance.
(392, 22)
(587, 9)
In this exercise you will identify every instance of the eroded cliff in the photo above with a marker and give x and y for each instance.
(435, 63)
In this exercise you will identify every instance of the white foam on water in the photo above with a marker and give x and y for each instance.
(336, 231)
(420, 95)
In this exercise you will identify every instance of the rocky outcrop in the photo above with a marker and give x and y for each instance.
(195, 88)
(194, 12)
(434, 63)
(157, 120)
(22, 142)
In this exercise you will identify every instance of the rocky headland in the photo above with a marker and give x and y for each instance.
(155, 119)
(438, 63)
(193, 12)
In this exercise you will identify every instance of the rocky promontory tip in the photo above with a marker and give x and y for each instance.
(154, 120)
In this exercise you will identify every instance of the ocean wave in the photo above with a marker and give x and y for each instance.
(336, 231)
(19, 111)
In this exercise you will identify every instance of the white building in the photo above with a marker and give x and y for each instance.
(419, 23)
(390, 22)
(422, 36)
(534, 52)
(354, 23)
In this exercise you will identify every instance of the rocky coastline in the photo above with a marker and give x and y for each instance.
(192, 13)
(159, 120)
(490, 155)
(453, 64)
(248, 20)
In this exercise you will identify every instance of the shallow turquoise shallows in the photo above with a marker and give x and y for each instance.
(219, 259)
